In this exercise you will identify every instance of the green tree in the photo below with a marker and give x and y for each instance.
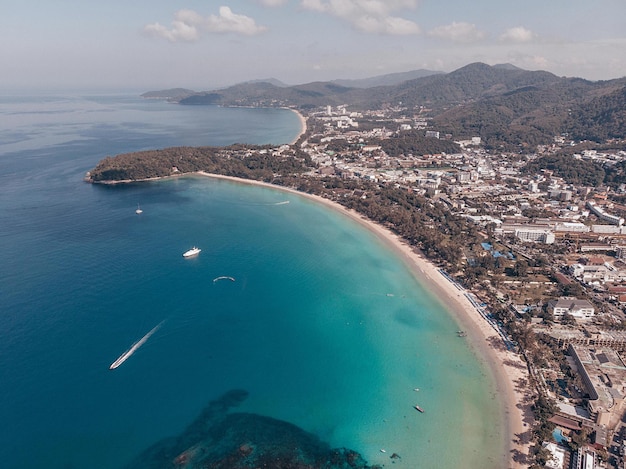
(521, 268)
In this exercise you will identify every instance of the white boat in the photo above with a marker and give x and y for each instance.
(138, 211)
(194, 251)
(126, 355)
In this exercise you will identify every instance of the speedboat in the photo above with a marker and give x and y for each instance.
(418, 408)
(194, 251)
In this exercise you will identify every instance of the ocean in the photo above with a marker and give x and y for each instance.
(317, 325)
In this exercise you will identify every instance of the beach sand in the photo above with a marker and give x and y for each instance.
(302, 125)
(508, 369)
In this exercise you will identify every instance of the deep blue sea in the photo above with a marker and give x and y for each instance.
(322, 326)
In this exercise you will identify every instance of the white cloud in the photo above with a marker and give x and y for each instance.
(227, 22)
(184, 27)
(458, 32)
(370, 16)
(540, 61)
(188, 25)
(517, 34)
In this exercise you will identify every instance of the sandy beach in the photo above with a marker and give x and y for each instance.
(508, 370)
(302, 125)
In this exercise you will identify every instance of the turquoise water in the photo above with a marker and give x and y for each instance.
(323, 326)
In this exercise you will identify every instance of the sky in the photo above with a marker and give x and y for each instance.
(202, 45)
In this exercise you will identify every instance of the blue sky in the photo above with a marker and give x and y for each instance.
(152, 44)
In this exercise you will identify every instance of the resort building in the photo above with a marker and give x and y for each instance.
(571, 227)
(579, 309)
(601, 214)
(591, 274)
(558, 455)
(603, 373)
(541, 236)
(587, 336)
(585, 458)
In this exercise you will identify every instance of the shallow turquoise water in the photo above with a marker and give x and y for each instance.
(323, 326)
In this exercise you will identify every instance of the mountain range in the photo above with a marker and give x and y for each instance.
(505, 105)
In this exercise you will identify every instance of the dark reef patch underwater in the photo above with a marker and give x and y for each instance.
(218, 439)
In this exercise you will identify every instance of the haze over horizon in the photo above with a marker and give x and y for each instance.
(202, 45)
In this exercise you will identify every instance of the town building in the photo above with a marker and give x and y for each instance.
(603, 373)
(529, 234)
(558, 455)
(579, 309)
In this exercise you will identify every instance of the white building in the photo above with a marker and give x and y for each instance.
(558, 455)
(541, 236)
(579, 309)
(571, 227)
(600, 213)
(585, 459)
(608, 229)
(597, 274)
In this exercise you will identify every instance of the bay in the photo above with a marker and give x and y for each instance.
(323, 326)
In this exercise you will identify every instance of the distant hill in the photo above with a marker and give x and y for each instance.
(266, 94)
(174, 94)
(506, 106)
(469, 83)
(600, 118)
(271, 81)
(386, 80)
(507, 66)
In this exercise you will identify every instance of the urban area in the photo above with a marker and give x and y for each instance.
(553, 255)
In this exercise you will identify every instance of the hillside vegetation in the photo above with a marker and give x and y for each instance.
(234, 160)
(509, 108)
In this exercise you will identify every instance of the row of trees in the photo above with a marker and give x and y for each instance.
(579, 171)
(414, 142)
(574, 171)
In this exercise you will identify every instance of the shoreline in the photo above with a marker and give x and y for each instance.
(509, 372)
(303, 127)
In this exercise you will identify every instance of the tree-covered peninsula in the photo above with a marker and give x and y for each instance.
(261, 163)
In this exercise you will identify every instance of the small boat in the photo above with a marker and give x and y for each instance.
(383, 450)
(126, 355)
(418, 408)
(194, 251)
(138, 211)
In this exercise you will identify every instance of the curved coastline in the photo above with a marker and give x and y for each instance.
(303, 127)
(508, 370)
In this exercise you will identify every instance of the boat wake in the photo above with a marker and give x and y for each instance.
(217, 279)
(255, 204)
(126, 355)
